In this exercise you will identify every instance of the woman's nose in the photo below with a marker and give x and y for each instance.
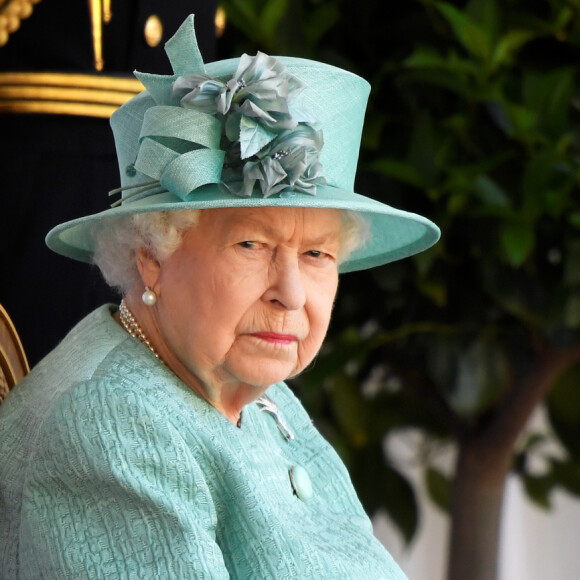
(286, 285)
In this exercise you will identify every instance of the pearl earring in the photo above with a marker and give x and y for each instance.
(149, 297)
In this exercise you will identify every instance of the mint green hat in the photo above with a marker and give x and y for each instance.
(249, 132)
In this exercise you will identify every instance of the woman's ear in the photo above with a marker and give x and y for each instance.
(149, 269)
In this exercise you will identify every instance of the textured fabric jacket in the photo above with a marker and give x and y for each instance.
(113, 468)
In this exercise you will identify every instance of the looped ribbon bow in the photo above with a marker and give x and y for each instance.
(180, 148)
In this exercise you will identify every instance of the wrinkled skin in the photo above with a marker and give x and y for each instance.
(244, 302)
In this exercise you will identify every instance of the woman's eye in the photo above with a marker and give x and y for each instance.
(320, 256)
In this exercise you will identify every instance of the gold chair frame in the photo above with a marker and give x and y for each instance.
(13, 362)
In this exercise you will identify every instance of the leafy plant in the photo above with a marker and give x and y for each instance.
(473, 121)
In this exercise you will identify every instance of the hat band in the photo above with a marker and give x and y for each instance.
(65, 93)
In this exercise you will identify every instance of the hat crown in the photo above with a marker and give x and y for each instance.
(333, 98)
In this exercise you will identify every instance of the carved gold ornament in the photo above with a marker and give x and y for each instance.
(12, 12)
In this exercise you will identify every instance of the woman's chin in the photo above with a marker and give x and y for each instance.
(262, 373)
(261, 365)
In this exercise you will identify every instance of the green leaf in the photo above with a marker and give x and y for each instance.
(244, 16)
(457, 203)
(565, 15)
(486, 14)
(534, 439)
(563, 405)
(349, 409)
(574, 219)
(449, 80)
(426, 57)
(400, 170)
(321, 20)
(505, 50)
(556, 203)
(439, 488)
(538, 489)
(426, 149)
(490, 192)
(425, 260)
(550, 94)
(536, 175)
(435, 291)
(469, 33)
(523, 119)
(398, 498)
(451, 71)
(517, 241)
(381, 487)
(272, 14)
(567, 474)
(372, 137)
(558, 106)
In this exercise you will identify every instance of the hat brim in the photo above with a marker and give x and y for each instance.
(394, 233)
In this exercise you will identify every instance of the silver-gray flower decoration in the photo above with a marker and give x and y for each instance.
(267, 142)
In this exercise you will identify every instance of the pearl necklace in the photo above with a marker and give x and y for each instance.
(132, 327)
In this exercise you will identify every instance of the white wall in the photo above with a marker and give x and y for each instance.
(535, 544)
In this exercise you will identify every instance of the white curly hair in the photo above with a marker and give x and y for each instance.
(160, 234)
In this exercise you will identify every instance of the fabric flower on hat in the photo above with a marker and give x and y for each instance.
(266, 142)
(288, 164)
(260, 88)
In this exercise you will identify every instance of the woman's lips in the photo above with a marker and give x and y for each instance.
(275, 338)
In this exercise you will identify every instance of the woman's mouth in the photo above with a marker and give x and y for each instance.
(276, 338)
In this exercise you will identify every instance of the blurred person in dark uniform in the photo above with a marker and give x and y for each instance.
(64, 67)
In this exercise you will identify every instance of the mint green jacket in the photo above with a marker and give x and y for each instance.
(112, 468)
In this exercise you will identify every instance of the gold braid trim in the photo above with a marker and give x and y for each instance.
(65, 94)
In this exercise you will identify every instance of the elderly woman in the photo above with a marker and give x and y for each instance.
(158, 440)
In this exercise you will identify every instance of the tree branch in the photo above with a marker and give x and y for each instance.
(519, 403)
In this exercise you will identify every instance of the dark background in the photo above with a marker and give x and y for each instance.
(58, 167)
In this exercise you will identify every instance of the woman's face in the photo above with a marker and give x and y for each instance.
(247, 297)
